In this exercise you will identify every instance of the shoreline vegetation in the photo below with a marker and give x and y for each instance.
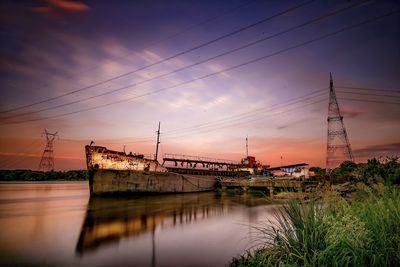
(39, 176)
(355, 223)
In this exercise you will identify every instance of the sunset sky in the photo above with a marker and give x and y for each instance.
(94, 70)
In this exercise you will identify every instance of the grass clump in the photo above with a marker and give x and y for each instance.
(334, 232)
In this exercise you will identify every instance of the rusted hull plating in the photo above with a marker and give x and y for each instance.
(115, 172)
(127, 181)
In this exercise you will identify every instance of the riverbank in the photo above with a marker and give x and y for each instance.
(38, 176)
(360, 229)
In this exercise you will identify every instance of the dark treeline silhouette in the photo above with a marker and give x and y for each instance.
(29, 175)
(385, 170)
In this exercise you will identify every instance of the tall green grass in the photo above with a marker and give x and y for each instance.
(333, 232)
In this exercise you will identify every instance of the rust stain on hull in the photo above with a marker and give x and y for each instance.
(98, 157)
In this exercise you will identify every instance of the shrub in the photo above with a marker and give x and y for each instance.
(333, 233)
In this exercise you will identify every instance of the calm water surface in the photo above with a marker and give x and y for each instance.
(58, 224)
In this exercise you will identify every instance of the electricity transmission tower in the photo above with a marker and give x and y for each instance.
(47, 161)
(338, 145)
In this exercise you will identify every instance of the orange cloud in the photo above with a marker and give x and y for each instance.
(71, 6)
(57, 6)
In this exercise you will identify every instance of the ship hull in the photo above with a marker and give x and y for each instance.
(130, 181)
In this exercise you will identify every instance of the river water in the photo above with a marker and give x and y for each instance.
(58, 224)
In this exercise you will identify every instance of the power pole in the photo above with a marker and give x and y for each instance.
(47, 161)
(158, 141)
(338, 145)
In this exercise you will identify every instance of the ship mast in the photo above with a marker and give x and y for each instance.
(247, 148)
(158, 141)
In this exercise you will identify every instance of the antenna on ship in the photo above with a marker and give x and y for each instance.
(158, 141)
(247, 148)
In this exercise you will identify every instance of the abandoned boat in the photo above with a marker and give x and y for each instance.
(117, 172)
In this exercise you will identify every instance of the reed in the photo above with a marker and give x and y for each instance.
(334, 232)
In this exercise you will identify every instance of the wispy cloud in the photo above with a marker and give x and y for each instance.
(219, 101)
(214, 67)
(382, 150)
(351, 113)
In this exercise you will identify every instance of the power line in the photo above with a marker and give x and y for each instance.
(202, 128)
(20, 157)
(249, 121)
(96, 107)
(200, 23)
(322, 37)
(253, 120)
(236, 122)
(34, 145)
(210, 128)
(372, 101)
(165, 59)
(259, 110)
(161, 40)
(238, 117)
(177, 133)
(368, 94)
(368, 89)
(108, 141)
(333, 13)
(205, 130)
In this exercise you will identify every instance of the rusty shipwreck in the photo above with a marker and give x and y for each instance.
(117, 172)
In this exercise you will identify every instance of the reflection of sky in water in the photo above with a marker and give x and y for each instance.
(57, 224)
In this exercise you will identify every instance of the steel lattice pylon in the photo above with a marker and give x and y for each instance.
(47, 161)
(338, 145)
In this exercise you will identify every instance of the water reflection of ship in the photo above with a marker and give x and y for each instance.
(110, 219)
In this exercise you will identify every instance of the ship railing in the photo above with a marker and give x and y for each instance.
(148, 156)
(187, 158)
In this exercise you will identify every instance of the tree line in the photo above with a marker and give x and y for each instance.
(29, 175)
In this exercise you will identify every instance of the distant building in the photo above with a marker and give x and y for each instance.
(300, 170)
